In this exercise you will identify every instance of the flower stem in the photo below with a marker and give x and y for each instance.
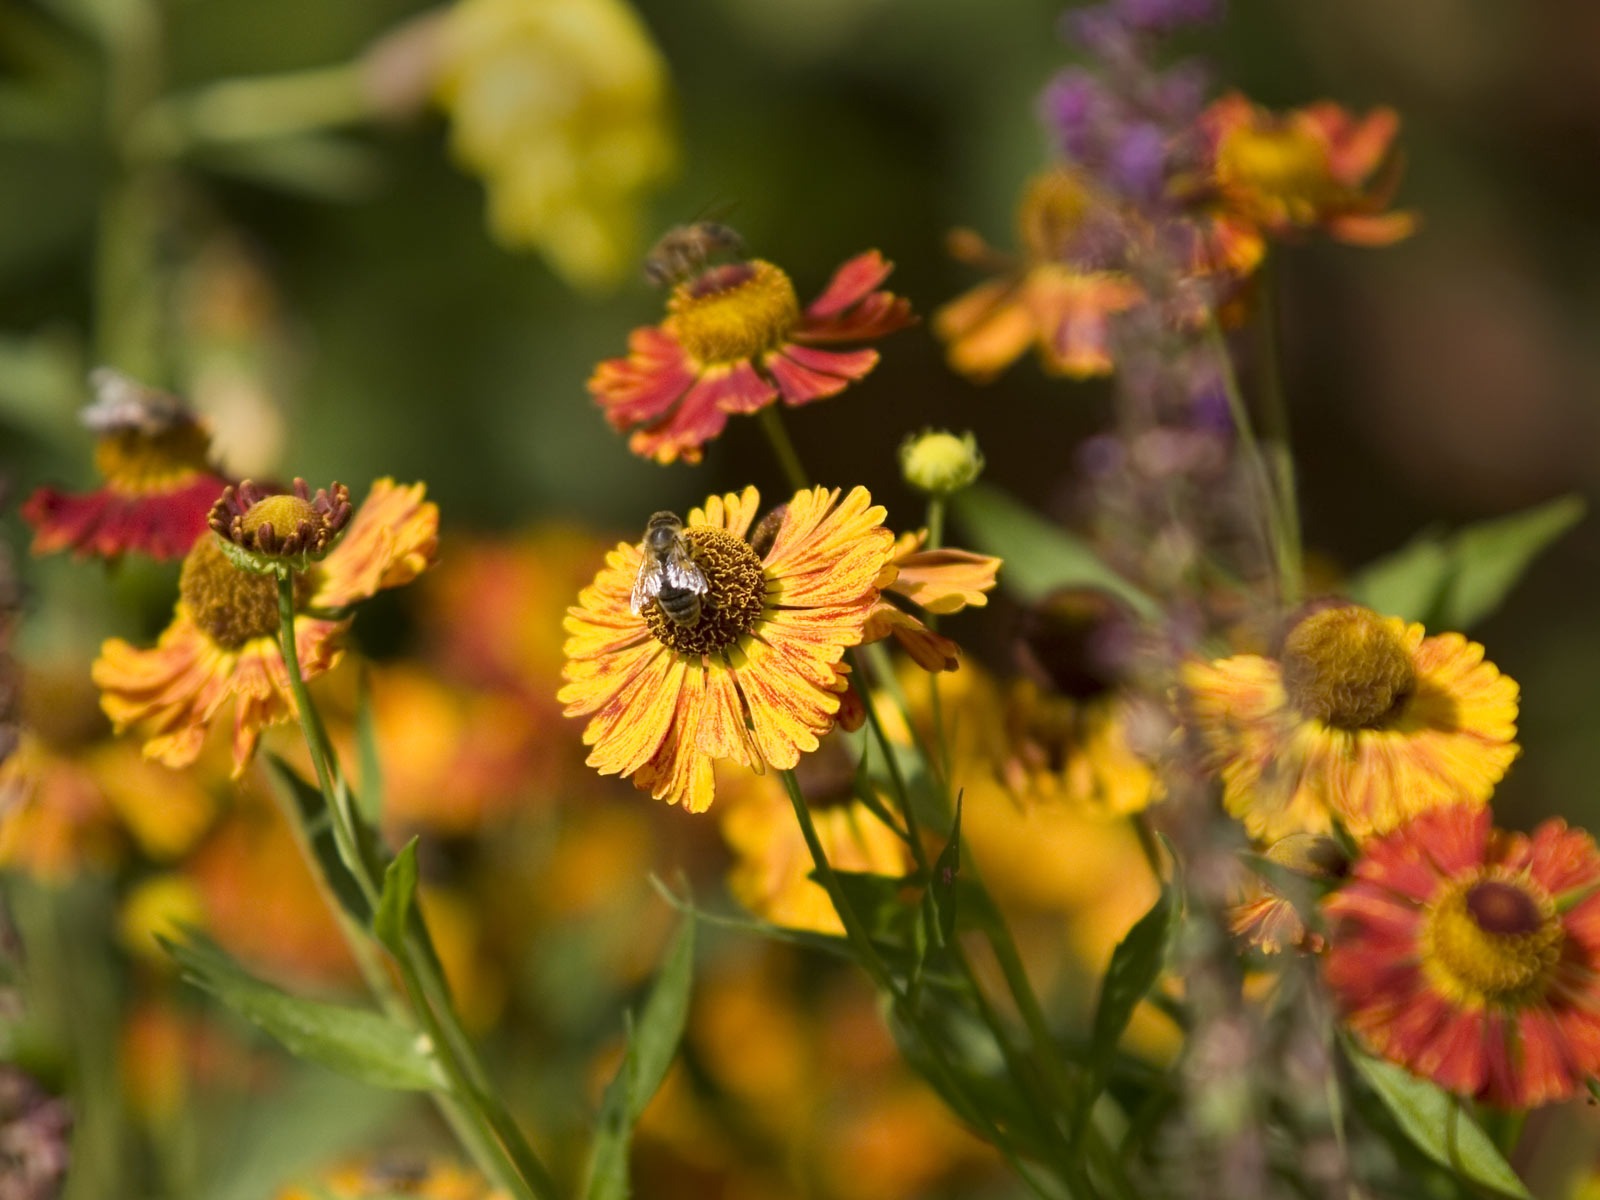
(1282, 543)
(872, 962)
(473, 1110)
(778, 438)
(1275, 422)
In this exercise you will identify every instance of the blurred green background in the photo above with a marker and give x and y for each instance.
(1450, 377)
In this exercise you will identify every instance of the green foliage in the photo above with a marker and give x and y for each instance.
(1453, 582)
(399, 892)
(1135, 966)
(1437, 1125)
(652, 1044)
(353, 1041)
(1040, 557)
(314, 818)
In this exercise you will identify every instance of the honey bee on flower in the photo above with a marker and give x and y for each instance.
(736, 340)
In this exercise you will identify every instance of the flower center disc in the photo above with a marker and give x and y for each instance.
(1492, 940)
(132, 461)
(1052, 214)
(735, 312)
(1347, 667)
(1281, 164)
(231, 605)
(736, 592)
(283, 512)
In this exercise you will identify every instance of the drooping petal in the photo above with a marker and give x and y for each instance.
(393, 538)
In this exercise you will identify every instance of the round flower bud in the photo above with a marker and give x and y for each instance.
(939, 462)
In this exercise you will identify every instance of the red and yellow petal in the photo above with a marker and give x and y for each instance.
(393, 538)
(850, 310)
(109, 522)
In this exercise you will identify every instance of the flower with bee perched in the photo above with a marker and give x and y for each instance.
(736, 340)
(716, 637)
(154, 454)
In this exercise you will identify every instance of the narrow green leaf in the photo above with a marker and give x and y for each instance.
(353, 1041)
(315, 819)
(399, 891)
(1436, 1125)
(880, 903)
(1039, 556)
(652, 1045)
(1135, 967)
(1492, 556)
(946, 870)
(1453, 582)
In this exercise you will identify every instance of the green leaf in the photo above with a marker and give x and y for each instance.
(946, 870)
(1437, 1125)
(879, 902)
(652, 1044)
(1040, 557)
(394, 904)
(1454, 582)
(353, 1041)
(1135, 966)
(1491, 557)
(314, 818)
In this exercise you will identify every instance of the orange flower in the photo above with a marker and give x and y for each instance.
(401, 1175)
(1319, 167)
(1059, 298)
(755, 676)
(736, 340)
(153, 454)
(1472, 956)
(1361, 719)
(223, 641)
(937, 581)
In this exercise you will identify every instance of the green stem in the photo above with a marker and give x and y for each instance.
(870, 961)
(1275, 421)
(778, 438)
(474, 1112)
(1278, 538)
(244, 110)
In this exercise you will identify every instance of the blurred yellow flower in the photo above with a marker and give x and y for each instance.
(1360, 719)
(561, 107)
(399, 1175)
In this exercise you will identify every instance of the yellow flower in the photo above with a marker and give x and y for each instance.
(560, 105)
(223, 641)
(755, 678)
(1074, 750)
(1361, 719)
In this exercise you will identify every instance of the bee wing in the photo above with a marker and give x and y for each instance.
(681, 572)
(646, 585)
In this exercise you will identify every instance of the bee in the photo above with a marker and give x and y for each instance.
(684, 251)
(668, 575)
(121, 403)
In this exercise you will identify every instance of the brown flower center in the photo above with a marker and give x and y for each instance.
(736, 593)
(231, 605)
(131, 460)
(282, 512)
(1051, 214)
(1492, 939)
(1346, 666)
(734, 312)
(1281, 164)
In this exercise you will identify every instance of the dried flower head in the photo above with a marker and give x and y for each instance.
(279, 530)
